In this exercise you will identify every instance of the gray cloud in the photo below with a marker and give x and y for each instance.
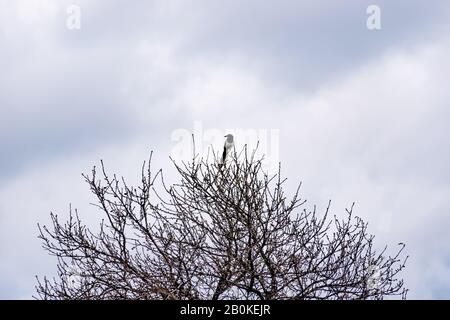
(367, 109)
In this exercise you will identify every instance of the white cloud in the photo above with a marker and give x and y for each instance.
(377, 137)
(372, 129)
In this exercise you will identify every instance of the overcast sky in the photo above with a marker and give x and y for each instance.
(356, 114)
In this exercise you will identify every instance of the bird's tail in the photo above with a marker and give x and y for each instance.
(224, 155)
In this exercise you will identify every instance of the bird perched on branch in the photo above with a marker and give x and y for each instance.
(228, 147)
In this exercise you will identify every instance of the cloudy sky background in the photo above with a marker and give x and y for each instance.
(362, 115)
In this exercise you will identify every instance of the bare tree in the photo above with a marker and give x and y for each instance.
(222, 232)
